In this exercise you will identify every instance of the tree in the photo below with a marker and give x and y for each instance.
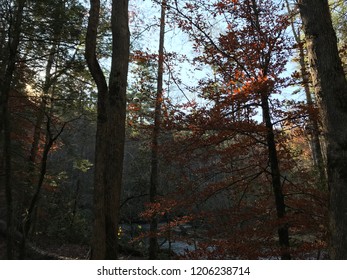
(110, 135)
(249, 57)
(41, 100)
(54, 48)
(153, 246)
(331, 92)
(313, 128)
(50, 139)
(13, 40)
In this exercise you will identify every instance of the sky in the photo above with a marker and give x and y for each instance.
(175, 41)
(146, 13)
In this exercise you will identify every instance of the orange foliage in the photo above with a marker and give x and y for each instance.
(220, 149)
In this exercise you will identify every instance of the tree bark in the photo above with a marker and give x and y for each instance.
(99, 234)
(313, 126)
(153, 242)
(283, 234)
(110, 135)
(331, 91)
(314, 130)
(116, 122)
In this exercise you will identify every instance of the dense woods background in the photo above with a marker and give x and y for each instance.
(173, 129)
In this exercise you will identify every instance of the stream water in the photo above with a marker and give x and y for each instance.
(178, 247)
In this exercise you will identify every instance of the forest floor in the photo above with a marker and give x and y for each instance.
(64, 251)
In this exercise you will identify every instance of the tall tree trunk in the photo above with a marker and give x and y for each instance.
(99, 233)
(116, 122)
(153, 243)
(283, 233)
(313, 131)
(110, 135)
(27, 224)
(5, 86)
(331, 91)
